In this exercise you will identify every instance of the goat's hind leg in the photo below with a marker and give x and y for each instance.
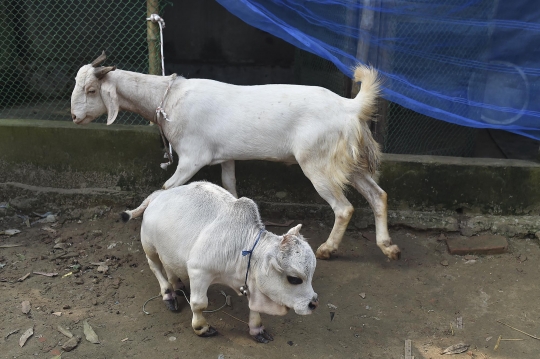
(343, 210)
(376, 198)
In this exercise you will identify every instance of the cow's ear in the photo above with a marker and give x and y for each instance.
(270, 262)
(286, 242)
(295, 230)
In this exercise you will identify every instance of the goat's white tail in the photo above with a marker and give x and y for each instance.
(369, 91)
(127, 215)
(367, 153)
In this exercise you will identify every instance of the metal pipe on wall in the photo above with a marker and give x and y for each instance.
(152, 30)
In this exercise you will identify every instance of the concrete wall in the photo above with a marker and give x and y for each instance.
(125, 160)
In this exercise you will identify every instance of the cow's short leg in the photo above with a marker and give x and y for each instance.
(343, 210)
(228, 177)
(256, 329)
(176, 283)
(200, 282)
(187, 167)
(166, 290)
(376, 198)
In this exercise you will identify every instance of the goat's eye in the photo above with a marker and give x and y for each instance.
(91, 91)
(294, 280)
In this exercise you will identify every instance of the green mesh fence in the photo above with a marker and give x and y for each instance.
(408, 132)
(43, 43)
(312, 70)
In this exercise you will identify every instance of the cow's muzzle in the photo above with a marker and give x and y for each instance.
(314, 303)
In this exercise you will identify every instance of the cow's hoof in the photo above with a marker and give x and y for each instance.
(171, 304)
(323, 252)
(263, 337)
(211, 332)
(392, 252)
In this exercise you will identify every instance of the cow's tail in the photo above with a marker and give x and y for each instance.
(127, 215)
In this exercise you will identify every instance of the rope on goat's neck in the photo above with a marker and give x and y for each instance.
(159, 109)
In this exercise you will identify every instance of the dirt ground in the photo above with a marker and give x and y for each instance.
(416, 298)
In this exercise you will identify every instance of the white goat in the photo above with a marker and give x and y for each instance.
(216, 123)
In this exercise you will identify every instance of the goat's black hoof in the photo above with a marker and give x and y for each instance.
(211, 332)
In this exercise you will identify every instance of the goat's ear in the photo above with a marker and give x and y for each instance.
(110, 99)
(295, 230)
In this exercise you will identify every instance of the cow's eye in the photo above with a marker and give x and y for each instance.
(294, 280)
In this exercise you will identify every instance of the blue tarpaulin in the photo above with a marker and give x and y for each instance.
(474, 63)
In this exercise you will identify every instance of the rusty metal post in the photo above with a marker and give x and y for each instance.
(152, 33)
(362, 49)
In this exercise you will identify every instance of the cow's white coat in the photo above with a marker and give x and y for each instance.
(196, 234)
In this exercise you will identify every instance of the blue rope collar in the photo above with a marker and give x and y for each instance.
(250, 252)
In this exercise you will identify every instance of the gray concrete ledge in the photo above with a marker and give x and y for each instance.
(25, 198)
(125, 160)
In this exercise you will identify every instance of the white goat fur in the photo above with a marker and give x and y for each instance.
(217, 123)
(196, 234)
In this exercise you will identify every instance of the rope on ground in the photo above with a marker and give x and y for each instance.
(227, 301)
(145, 312)
(240, 320)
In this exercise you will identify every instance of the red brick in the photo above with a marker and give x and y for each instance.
(484, 244)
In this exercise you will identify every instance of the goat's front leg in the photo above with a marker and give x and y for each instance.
(228, 178)
(256, 329)
(199, 302)
(376, 198)
(187, 167)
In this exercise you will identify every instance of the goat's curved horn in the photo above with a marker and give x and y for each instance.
(100, 72)
(101, 58)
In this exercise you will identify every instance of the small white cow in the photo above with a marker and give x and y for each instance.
(195, 235)
(216, 123)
